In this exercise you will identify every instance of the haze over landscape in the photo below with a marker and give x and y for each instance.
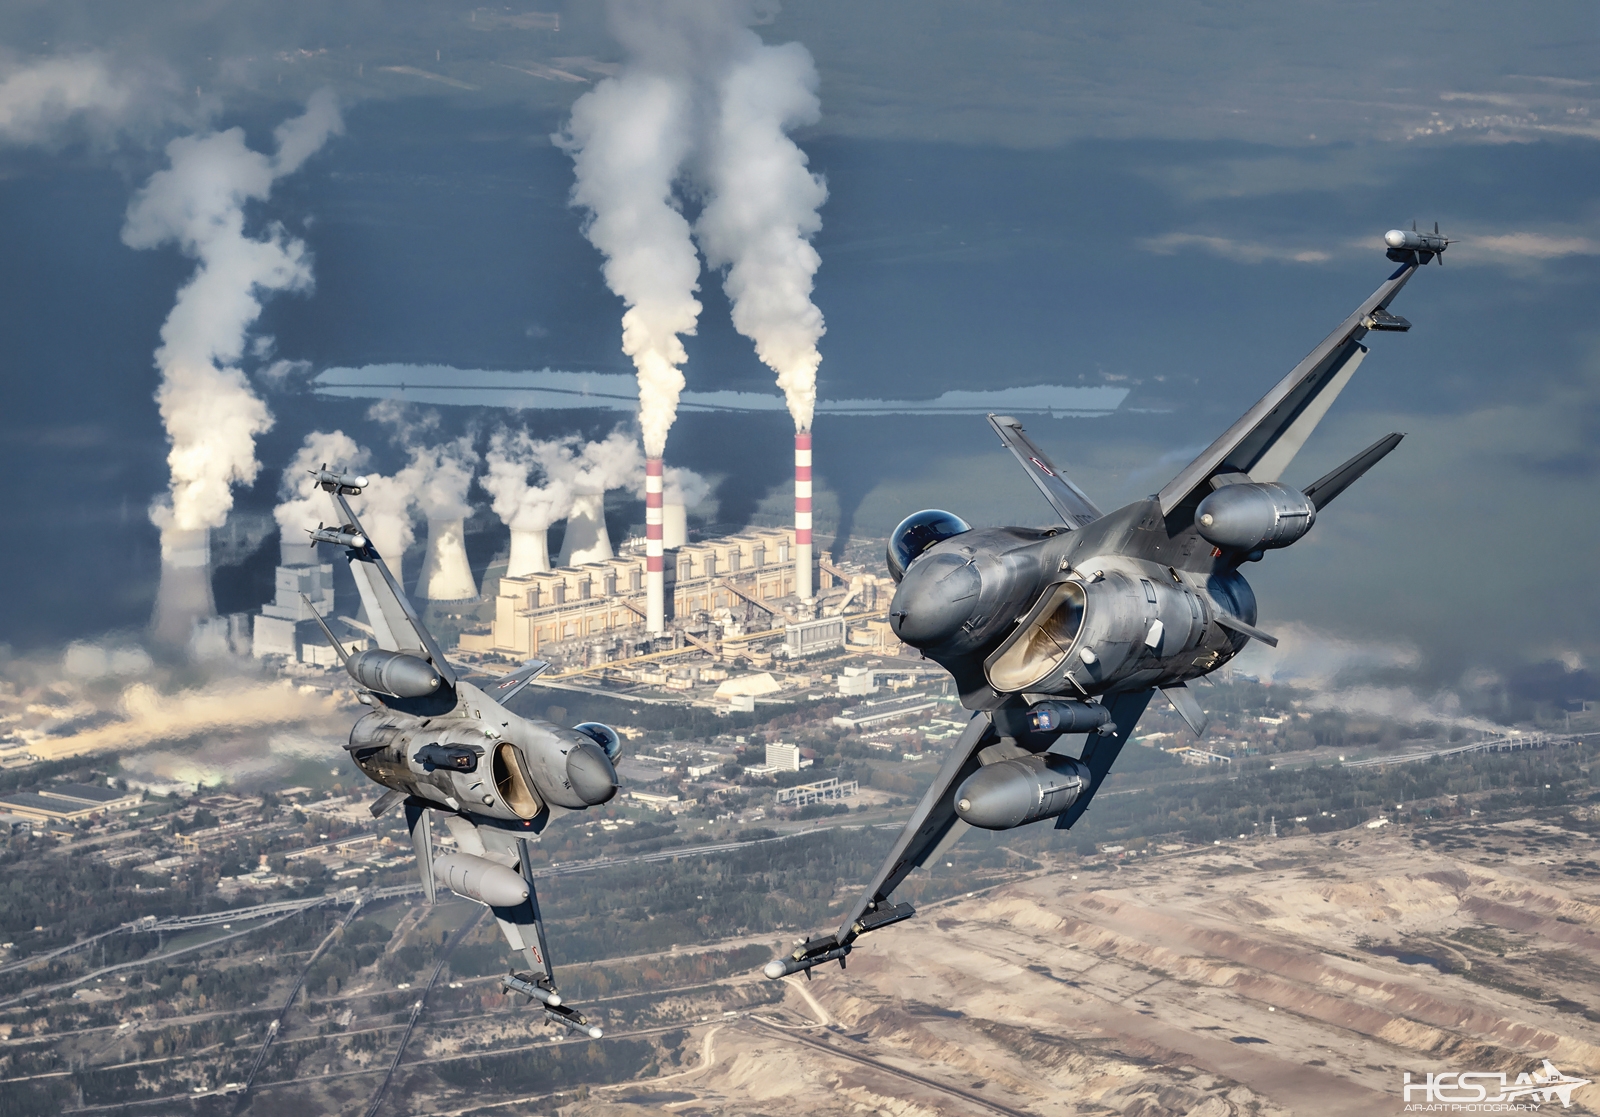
(235, 241)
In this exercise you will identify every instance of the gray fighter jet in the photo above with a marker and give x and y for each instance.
(444, 746)
(1059, 637)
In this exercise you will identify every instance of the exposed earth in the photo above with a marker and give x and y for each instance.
(1304, 975)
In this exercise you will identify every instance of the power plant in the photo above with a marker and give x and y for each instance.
(616, 611)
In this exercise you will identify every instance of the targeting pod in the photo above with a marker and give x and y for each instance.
(337, 481)
(339, 537)
(1069, 717)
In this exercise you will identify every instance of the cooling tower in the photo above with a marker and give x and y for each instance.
(446, 576)
(674, 524)
(385, 538)
(803, 588)
(530, 552)
(586, 539)
(184, 595)
(655, 577)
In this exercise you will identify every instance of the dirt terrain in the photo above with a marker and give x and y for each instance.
(1303, 975)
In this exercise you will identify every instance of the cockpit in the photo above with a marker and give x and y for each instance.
(916, 533)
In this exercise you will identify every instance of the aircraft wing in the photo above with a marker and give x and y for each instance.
(395, 624)
(1071, 503)
(1268, 436)
(930, 824)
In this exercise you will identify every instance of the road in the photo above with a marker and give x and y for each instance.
(416, 1010)
(804, 1040)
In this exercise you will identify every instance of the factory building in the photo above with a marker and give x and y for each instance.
(285, 625)
(732, 576)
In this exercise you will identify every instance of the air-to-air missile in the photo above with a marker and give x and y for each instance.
(1428, 245)
(1057, 637)
(445, 747)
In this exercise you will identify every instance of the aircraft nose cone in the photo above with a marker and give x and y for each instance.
(935, 598)
(591, 773)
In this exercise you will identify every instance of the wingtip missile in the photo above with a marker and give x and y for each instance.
(336, 481)
(339, 537)
(1405, 244)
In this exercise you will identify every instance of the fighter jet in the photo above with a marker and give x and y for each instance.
(445, 747)
(1058, 637)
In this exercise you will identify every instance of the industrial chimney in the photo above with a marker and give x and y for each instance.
(803, 588)
(184, 595)
(674, 522)
(530, 552)
(446, 575)
(586, 539)
(655, 576)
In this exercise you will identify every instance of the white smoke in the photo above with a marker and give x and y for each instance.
(684, 486)
(303, 505)
(533, 482)
(211, 413)
(699, 89)
(509, 466)
(629, 138)
(39, 98)
(761, 211)
(384, 508)
(440, 476)
(435, 479)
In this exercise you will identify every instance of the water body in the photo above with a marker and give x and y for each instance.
(548, 389)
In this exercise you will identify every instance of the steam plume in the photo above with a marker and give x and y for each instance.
(568, 467)
(629, 138)
(761, 211)
(38, 98)
(211, 413)
(435, 481)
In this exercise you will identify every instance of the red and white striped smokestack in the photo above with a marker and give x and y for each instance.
(802, 516)
(655, 581)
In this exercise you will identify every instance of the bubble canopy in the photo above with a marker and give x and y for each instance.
(916, 533)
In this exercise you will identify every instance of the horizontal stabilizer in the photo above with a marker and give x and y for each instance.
(1322, 491)
(1188, 707)
(1071, 503)
(509, 686)
(1228, 620)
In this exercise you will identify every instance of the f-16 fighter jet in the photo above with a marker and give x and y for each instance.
(447, 748)
(1059, 637)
